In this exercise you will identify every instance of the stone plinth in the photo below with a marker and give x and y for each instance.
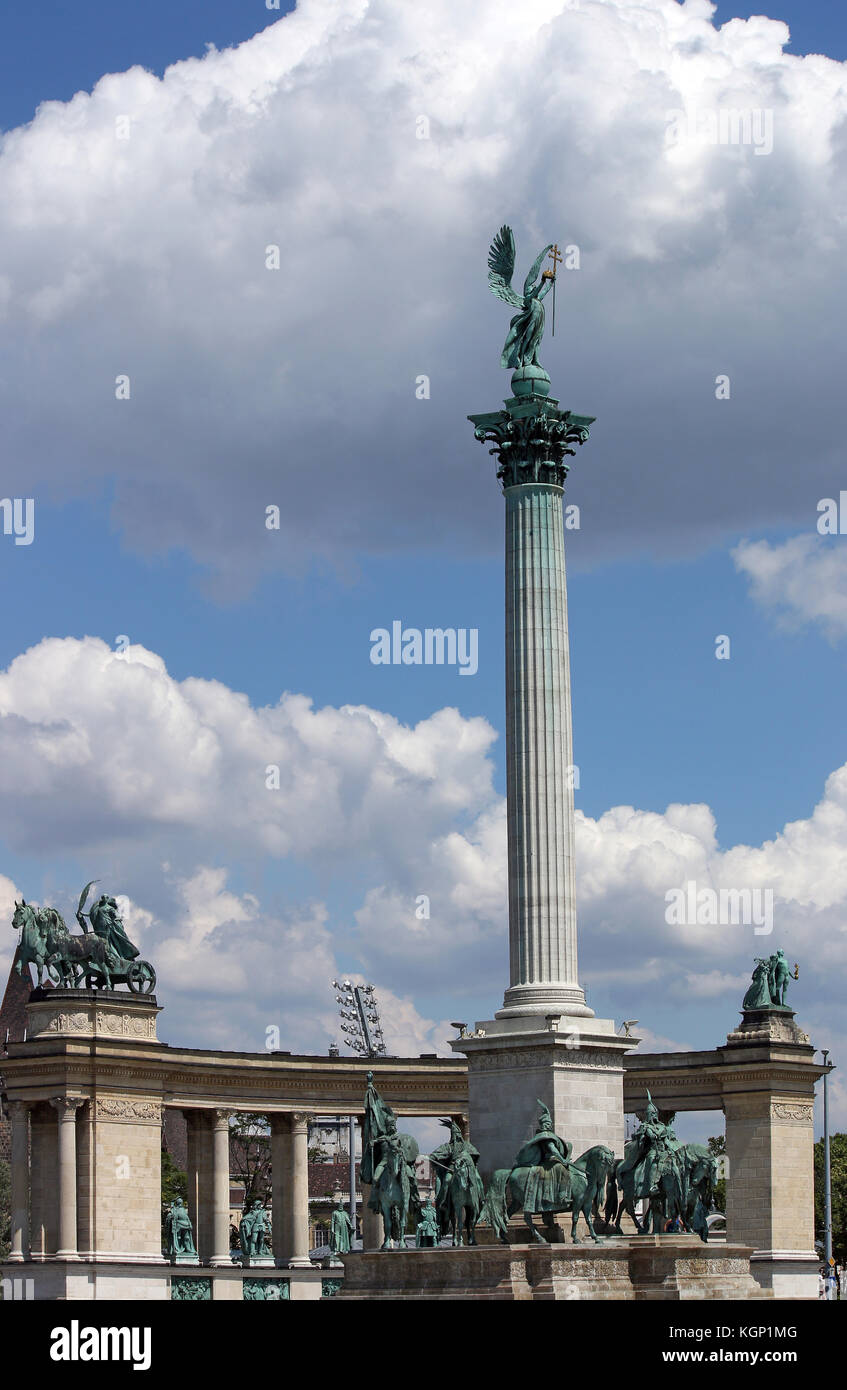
(770, 1142)
(672, 1268)
(89, 1013)
(574, 1065)
(137, 1283)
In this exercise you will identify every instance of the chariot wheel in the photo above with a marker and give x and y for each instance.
(141, 977)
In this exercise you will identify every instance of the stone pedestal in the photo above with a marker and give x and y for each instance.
(667, 1268)
(574, 1065)
(96, 1158)
(769, 1143)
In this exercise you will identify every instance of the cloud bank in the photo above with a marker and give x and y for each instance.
(135, 223)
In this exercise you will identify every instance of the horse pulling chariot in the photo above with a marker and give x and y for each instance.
(101, 958)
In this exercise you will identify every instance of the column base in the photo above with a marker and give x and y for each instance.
(299, 1262)
(787, 1273)
(544, 1000)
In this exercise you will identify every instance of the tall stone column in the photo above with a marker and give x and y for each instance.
(66, 1108)
(531, 439)
(545, 1041)
(220, 1188)
(539, 760)
(19, 1117)
(298, 1188)
(280, 1130)
(44, 1181)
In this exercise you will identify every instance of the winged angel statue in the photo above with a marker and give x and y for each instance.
(527, 327)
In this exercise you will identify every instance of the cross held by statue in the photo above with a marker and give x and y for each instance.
(555, 256)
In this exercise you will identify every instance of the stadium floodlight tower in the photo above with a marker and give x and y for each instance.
(361, 1024)
(360, 1018)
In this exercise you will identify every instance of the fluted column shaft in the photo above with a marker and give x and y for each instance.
(280, 1131)
(66, 1109)
(220, 1189)
(539, 759)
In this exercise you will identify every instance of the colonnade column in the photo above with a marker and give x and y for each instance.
(279, 1198)
(220, 1188)
(66, 1108)
(298, 1189)
(19, 1116)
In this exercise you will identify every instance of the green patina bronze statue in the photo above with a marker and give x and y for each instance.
(254, 1232)
(676, 1180)
(770, 982)
(340, 1230)
(180, 1235)
(428, 1235)
(388, 1164)
(527, 327)
(102, 957)
(459, 1191)
(544, 1180)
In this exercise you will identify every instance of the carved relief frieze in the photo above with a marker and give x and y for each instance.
(121, 1108)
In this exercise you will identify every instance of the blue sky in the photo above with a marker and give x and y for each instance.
(657, 719)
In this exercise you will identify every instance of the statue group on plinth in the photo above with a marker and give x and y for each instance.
(101, 958)
(388, 1165)
(675, 1180)
(770, 983)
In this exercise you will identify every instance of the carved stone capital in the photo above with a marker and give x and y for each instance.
(67, 1106)
(531, 445)
(221, 1118)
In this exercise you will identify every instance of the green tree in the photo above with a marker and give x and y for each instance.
(250, 1154)
(5, 1209)
(717, 1146)
(838, 1182)
(174, 1181)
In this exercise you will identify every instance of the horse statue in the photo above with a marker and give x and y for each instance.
(388, 1165)
(459, 1191)
(47, 944)
(544, 1180)
(507, 1195)
(393, 1187)
(701, 1171)
(651, 1168)
(100, 958)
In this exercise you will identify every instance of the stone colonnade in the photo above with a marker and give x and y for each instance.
(51, 1184)
(54, 1177)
